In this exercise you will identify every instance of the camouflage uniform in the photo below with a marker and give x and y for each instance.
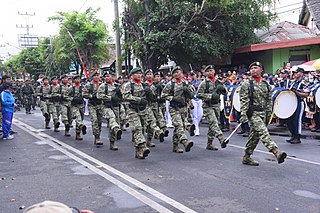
(179, 112)
(27, 94)
(77, 109)
(95, 109)
(111, 96)
(159, 107)
(255, 99)
(65, 107)
(43, 92)
(55, 101)
(210, 93)
(137, 114)
(152, 127)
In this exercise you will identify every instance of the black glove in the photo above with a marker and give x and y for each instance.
(179, 99)
(118, 92)
(215, 98)
(188, 93)
(221, 90)
(143, 102)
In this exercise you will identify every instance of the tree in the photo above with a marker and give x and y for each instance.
(90, 38)
(189, 31)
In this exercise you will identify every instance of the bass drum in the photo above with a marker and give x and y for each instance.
(317, 95)
(284, 102)
(236, 99)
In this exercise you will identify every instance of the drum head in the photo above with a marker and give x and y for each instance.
(285, 104)
(236, 100)
(317, 95)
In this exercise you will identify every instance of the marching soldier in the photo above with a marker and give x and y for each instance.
(43, 91)
(77, 106)
(159, 107)
(133, 92)
(255, 97)
(55, 100)
(65, 104)
(27, 94)
(110, 94)
(152, 127)
(178, 92)
(294, 122)
(95, 106)
(209, 91)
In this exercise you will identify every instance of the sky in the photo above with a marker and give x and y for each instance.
(288, 10)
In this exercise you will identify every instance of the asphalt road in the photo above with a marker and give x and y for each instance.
(39, 165)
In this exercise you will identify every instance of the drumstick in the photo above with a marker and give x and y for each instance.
(232, 133)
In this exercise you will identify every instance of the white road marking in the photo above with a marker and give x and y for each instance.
(292, 158)
(62, 147)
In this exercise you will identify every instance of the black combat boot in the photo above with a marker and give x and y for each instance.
(296, 139)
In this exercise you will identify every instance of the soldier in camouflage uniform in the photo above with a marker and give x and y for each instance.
(159, 108)
(209, 91)
(110, 94)
(27, 96)
(95, 106)
(178, 91)
(152, 127)
(255, 98)
(43, 91)
(65, 104)
(133, 92)
(77, 106)
(55, 100)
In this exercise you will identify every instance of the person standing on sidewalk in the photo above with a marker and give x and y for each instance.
(255, 98)
(8, 105)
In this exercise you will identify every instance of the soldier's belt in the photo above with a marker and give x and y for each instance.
(95, 102)
(177, 104)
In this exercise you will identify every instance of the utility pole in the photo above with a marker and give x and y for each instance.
(118, 47)
(27, 26)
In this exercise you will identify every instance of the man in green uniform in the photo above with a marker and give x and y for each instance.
(152, 127)
(43, 91)
(95, 106)
(111, 96)
(77, 106)
(133, 92)
(178, 91)
(159, 107)
(255, 98)
(27, 96)
(65, 104)
(209, 91)
(55, 100)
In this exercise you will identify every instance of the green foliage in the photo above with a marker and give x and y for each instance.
(191, 31)
(90, 35)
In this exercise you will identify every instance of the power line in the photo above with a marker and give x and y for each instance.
(289, 5)
(83, 5)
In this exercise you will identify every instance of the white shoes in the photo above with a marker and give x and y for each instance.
(197, 133)
(10, 137)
